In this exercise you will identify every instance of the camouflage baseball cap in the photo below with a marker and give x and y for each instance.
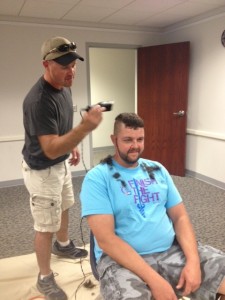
(60, 50)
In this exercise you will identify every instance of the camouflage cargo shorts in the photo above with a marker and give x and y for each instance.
(118, 283)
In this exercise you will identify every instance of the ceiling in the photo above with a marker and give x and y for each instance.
(151, 15)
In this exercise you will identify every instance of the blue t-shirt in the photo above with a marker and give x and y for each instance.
(138, 203)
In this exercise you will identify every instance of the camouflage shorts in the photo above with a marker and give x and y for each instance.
(118, 283)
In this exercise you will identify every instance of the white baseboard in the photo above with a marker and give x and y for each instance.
(16, 182)
(206, 179)
(188, 173)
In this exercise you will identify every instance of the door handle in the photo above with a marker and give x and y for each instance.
(180, 113)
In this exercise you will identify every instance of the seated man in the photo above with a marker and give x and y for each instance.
(145, 244)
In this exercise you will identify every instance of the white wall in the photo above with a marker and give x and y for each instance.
(112, 78)
(20, 63)
(206, 108)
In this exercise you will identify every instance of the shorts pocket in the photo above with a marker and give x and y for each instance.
(46, 210)
(104, 263)
(44, 175)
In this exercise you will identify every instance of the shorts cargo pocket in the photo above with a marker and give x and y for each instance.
(46, 210)
(104, 263)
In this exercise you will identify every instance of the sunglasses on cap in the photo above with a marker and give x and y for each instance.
(63, 48)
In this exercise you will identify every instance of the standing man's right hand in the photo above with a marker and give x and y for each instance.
(93, 117)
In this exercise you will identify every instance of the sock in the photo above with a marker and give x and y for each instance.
(64, 244)
(43, 276)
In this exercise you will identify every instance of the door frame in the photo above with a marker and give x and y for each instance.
(108, 46)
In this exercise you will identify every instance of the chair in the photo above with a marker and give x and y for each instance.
(92, 257)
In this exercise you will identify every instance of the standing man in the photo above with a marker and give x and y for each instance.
(145, 244)
(49, 141)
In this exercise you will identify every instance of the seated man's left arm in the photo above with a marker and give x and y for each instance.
(190, 278)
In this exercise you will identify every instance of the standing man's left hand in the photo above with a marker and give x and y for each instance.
(75, 159)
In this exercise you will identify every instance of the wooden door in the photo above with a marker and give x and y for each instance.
(162, 103)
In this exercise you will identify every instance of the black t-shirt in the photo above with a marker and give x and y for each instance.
(46, 110)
